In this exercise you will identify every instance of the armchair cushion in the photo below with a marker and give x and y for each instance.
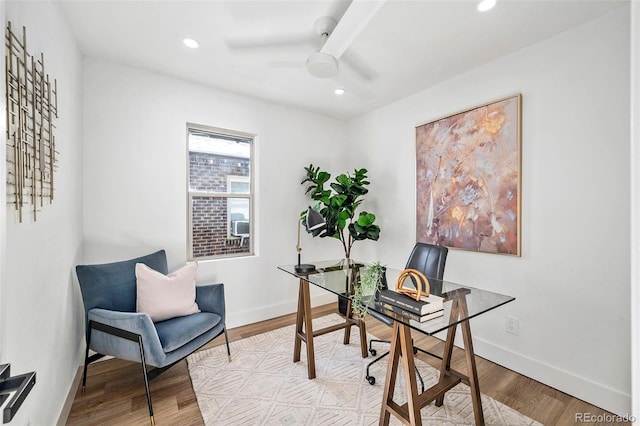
(176, 332)
(166, 296)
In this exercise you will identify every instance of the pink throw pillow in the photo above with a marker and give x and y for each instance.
(166, 296)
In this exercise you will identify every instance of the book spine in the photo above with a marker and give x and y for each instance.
(402, 301)
(403, 312)
(411, 315)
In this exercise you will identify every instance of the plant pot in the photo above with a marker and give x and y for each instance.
(352, 277)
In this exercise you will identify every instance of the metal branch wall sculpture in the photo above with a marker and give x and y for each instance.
(32, 106)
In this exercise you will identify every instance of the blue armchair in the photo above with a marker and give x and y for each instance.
(113, 327)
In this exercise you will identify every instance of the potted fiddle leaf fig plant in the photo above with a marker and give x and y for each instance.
(338, 204)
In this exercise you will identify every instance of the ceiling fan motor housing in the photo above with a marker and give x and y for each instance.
(322, 65)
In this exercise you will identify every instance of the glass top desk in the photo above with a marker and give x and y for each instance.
(461, 303)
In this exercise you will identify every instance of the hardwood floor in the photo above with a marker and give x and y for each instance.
(115, 389)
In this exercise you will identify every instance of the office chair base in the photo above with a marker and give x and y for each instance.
(372, 379)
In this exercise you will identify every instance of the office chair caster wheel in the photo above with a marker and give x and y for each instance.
(371, 380)
(373, 352)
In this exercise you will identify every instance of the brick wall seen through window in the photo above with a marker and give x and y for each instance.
(219, 194)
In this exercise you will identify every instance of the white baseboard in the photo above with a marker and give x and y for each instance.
(237, 319)
(597, 394)
(68, 402)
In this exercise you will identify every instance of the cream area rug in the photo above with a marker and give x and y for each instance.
(263, 386)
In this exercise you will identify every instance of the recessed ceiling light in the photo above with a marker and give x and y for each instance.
(189, 42)
(339, 91)
(485, 5)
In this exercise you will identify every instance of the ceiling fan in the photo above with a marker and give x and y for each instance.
(336, 37)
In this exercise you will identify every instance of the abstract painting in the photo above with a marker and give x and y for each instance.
(468, 179)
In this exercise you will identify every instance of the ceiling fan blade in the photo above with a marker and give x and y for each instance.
(359, 65)
(274, 41)
(269, 63)
(354, 20)
(287, 64)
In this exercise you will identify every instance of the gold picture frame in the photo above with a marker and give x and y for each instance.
(468, 179)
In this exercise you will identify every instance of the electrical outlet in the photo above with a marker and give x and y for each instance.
(512, 325)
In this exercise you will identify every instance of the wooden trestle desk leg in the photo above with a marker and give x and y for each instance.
(459, 309)
(402, 348)
(304, 316)
(306, 333)
(362, 329)
(471, 366)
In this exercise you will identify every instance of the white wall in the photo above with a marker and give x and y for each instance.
(572, 281)
(635, 208)
(135, 182)
(41, 322)
(3, 190)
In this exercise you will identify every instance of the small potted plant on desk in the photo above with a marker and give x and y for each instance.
(338, 204)
(371, 282)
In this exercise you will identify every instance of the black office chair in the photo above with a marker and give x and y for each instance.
(429, 260)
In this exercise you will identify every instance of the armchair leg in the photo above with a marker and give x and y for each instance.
(86, 360)
(146, 380)
(226, 339)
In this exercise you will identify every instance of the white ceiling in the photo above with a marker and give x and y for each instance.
(406, 47)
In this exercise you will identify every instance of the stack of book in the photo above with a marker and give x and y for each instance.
(428, 307)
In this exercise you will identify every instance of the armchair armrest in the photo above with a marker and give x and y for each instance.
(210, 298)
(135, 322)
(132, 322)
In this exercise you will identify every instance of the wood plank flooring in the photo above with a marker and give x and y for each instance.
(115, 389)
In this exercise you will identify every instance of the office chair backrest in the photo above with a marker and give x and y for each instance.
(429, 260)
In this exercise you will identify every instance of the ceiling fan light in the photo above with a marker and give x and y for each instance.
(322, 65)
(339, 91)
(191, 43)
(485, 5)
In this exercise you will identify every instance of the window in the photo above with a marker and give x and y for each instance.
(220, 193)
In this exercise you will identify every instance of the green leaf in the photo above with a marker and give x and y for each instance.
(338, 188)
(342, 223)
(366, 219)
(373, 233)
(323, 177)
(338, 200)
(345, 180)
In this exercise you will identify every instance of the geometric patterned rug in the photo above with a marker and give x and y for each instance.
(263, 386)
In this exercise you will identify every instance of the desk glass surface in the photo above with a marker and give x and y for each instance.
(333, 276)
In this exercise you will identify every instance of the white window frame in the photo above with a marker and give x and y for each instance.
(230, 180)
(250, 196)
